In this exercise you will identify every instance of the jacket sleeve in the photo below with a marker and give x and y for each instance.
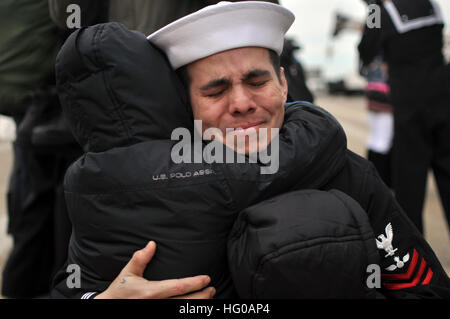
(409, 267)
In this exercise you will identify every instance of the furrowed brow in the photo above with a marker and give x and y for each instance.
(215, 83)
(255, 74)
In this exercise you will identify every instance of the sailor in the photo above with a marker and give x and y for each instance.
(411, 41)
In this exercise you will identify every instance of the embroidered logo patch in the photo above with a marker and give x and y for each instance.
(385, 242)
(415, 274)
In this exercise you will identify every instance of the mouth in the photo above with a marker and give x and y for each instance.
(248, 125)
(248, 134)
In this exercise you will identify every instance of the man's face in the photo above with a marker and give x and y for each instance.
(238, 88)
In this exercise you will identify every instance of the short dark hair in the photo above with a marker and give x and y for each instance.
(273, 56)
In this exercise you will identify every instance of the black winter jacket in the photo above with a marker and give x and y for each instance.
(122, 102)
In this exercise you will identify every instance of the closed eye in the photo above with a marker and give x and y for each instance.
(215, 87)
(257, 84)
(257, 78)
(216, 94)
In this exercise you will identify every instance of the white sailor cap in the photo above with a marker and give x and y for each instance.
(221, 27)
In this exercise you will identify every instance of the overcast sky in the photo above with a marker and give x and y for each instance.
(313, 26)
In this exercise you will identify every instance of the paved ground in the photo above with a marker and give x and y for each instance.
(352, 115)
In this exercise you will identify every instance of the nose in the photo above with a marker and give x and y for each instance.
(241, 101)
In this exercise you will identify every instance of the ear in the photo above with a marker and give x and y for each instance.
(284, 85)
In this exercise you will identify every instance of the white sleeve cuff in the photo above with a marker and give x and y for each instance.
(89, 295)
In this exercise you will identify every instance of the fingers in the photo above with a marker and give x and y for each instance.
(207, 293)
(130, 283)
(139, 260)
(177, 287)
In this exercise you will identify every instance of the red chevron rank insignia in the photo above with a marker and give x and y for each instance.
(417, 273)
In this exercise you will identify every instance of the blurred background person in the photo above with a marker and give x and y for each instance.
(410, 38)
(380, 115)
(381, 122)
(37, 220)
(295, 74)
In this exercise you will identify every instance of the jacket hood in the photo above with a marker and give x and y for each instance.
(117, 89)
(297, 252)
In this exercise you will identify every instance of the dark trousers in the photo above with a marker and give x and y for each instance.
(421, 142)
(38, 221)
